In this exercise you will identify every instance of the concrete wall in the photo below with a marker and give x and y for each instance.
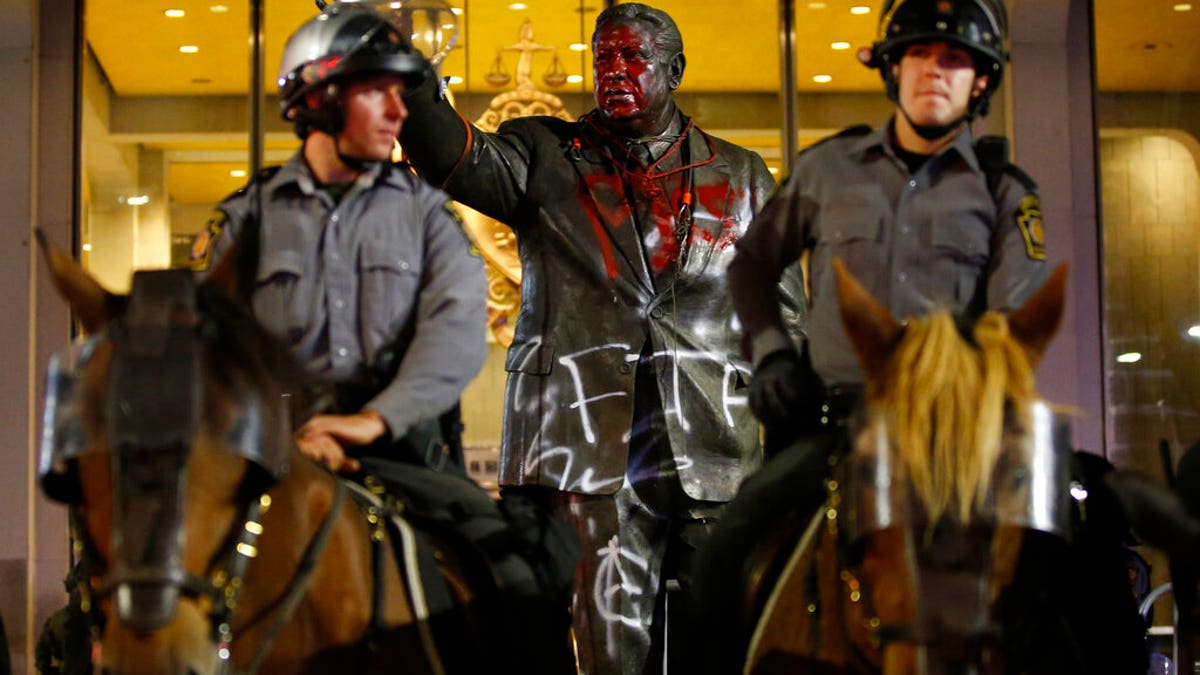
(1054, 132)
(37, 146)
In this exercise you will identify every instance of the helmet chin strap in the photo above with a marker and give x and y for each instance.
(931, 132)
(353, 163)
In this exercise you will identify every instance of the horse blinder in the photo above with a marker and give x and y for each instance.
(150, 431)
(62, 438)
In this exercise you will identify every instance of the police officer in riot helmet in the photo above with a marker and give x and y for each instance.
(361, 267)
(979, 28)
(919, 212)
(922, 214)
(331, 52)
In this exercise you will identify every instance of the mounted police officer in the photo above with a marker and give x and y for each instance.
(924, 216)
(360, 266)
(624, 396)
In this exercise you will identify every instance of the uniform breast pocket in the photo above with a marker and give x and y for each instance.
(959, 246)
(851, 231)
(389, 282)
(278, 290)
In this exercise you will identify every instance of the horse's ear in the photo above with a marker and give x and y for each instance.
(873, 330)
(223, 273)
(1036, 322)
(92, 304)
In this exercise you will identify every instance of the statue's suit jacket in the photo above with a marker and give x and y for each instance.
(595, 296)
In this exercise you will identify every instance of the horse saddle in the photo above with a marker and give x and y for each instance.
(517, 569)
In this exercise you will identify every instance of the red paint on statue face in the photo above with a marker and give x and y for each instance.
(633, 82)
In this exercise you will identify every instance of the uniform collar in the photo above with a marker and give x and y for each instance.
(880, 140)
(297, 172)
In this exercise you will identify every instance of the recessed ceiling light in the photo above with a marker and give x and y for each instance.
(578, 46)
(1129, 357)
(1194, 331)
(174, 13)
(860, 9)
(816, 5)
(188, 49)
(238, 173)
(456, 79)
(447, 26)
(518, 6)
(87, 247)
(1183, 7)
(839, 45)
(822, 78)
(218, 9)
(139, 200)
(574, 79)
(456, 10)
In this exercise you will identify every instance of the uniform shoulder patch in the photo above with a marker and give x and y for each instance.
(202, 246)
(1029, 221)
(472, 247)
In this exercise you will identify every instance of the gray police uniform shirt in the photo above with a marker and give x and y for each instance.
(935, 239)
(386, 273)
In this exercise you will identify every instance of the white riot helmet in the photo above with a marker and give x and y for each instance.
(343, 42)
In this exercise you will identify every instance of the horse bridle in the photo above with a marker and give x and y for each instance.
(150, 432)
(1032, 488)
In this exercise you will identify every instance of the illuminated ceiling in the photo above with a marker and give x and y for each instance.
(1143, 45)
(138, 45)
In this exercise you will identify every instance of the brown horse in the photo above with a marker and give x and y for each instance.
(208, 543)
(953, 462)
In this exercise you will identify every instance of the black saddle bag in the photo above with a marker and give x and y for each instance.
(527, 552)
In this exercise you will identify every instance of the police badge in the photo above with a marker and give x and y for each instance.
(202, 245)
(1029, 220)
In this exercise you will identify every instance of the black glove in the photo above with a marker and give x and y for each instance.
(776, 387)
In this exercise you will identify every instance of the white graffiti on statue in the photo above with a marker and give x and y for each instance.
(581, 401)
(585, 482)
(673, 358)
(612, 583)
(572, 401)
(728, 398)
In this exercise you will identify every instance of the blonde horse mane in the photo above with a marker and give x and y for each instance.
(945, 401)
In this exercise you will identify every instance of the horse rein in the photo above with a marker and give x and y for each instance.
(1031, 490)
(150, 437)
(880, 634)
(223, 587)
(288, 603)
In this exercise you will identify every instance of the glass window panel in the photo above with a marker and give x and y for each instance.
(1148, 83)
(166, 123)
(1147, 77)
